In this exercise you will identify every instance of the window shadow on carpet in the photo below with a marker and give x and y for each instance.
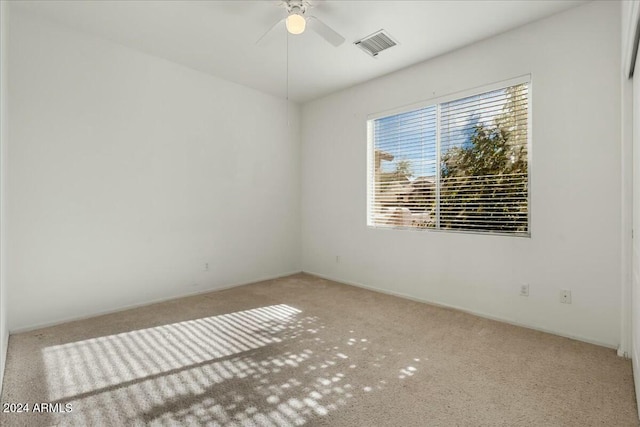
(268, 366)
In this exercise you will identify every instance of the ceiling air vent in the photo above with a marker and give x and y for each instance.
(376, 43)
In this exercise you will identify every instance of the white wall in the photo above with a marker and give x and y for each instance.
(128, 173)
(574, 60)
(4, 330)
(635, 292)
(631, 188)
(631, 126)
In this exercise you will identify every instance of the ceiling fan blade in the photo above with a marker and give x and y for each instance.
(325, 31)
(280, 21)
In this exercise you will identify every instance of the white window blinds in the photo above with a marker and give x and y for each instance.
(459, 165)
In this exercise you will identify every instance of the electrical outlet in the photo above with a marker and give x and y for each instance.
(337, 259)
(524, 290)
(565, 296)
(206, 266)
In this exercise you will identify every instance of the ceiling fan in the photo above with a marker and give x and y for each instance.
(297, 21)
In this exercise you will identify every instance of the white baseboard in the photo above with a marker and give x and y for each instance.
(622, 353)
(146, 303)
(464, 310)
(336, 279)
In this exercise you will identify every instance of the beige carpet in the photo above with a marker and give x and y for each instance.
(303, 350)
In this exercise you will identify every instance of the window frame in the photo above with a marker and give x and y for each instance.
(435, 101)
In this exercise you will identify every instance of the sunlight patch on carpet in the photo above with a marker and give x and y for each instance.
(266, 367)
(98, 363)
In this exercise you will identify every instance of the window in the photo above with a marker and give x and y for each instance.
(460, 165)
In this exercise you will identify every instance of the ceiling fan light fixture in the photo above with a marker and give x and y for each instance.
(296, 23)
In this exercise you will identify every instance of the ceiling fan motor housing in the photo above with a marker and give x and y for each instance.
(296, 7)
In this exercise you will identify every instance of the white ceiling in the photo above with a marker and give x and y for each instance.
(218, 37)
